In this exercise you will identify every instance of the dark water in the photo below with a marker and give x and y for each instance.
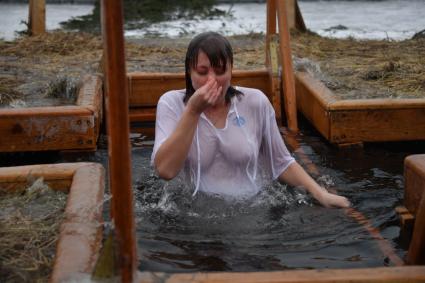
(281, 228)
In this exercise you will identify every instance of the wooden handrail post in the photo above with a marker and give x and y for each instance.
(287, 70)
(290, 13)
(37, 17)
(118, 136)
(272, 62)
(271, 17)
(270, 26)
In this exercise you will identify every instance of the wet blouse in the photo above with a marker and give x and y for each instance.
(237, 160)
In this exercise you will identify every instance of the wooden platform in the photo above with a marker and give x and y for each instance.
(145, 89)
(74, 127)
(362, 120)
(80, 235)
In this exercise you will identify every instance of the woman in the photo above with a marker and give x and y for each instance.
(224, 138)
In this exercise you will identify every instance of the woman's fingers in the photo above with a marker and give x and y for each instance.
(207, 86)
(215, 95)
(333, 200)
(206, 96)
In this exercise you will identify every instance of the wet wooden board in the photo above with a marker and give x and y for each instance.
(383, 274)
(362, 120)
(80, 235)
(414, 201)
(73, 127)
(145, 89)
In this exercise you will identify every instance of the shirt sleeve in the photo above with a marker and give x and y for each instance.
(166, 121)
(276, 156)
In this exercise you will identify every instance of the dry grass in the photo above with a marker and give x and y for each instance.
(29, 229)
(350, 68)
(41, 62)
(368, 68)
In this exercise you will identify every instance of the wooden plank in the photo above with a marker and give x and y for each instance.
(253, 78)
(414, 200)
(118, 136)
(47, 171)
(274, 79)
(411, 274)
(375, 125)
(287, 72)
(271, 17)
(270, 28)
(55, 127)
(363, 120)
(91, 97)
(414, 177)
(80, 233)
(142, 114)
(291, 13)
(47, 132)
(377, 104)
(37, 17)
(147, 88)
(313, 99)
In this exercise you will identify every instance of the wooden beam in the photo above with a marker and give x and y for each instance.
(359, 120)
(147, 88)
(287, 72)
(408, 274)
(295, 18)
(291, 13)
(274, 79)
(414, 200)
(37, 17)
(270, 28)
(118, 136)
(416, 253)
(271, 17)
(299, 20)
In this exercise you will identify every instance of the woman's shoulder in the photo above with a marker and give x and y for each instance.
(253, 96)
(173, 96)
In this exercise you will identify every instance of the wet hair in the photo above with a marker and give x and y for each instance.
(219, 52)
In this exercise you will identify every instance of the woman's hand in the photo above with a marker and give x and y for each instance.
(205, 96)
(296, 176)
(332, 200)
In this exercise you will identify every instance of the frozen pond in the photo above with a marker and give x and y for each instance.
(394, 19)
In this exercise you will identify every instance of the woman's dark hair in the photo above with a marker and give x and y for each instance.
(219, 52)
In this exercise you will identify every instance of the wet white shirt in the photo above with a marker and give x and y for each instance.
(237, 160)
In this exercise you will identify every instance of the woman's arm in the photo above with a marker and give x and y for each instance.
(296, 176)
(172, 153)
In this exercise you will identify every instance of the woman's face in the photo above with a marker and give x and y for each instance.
(204, 70)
